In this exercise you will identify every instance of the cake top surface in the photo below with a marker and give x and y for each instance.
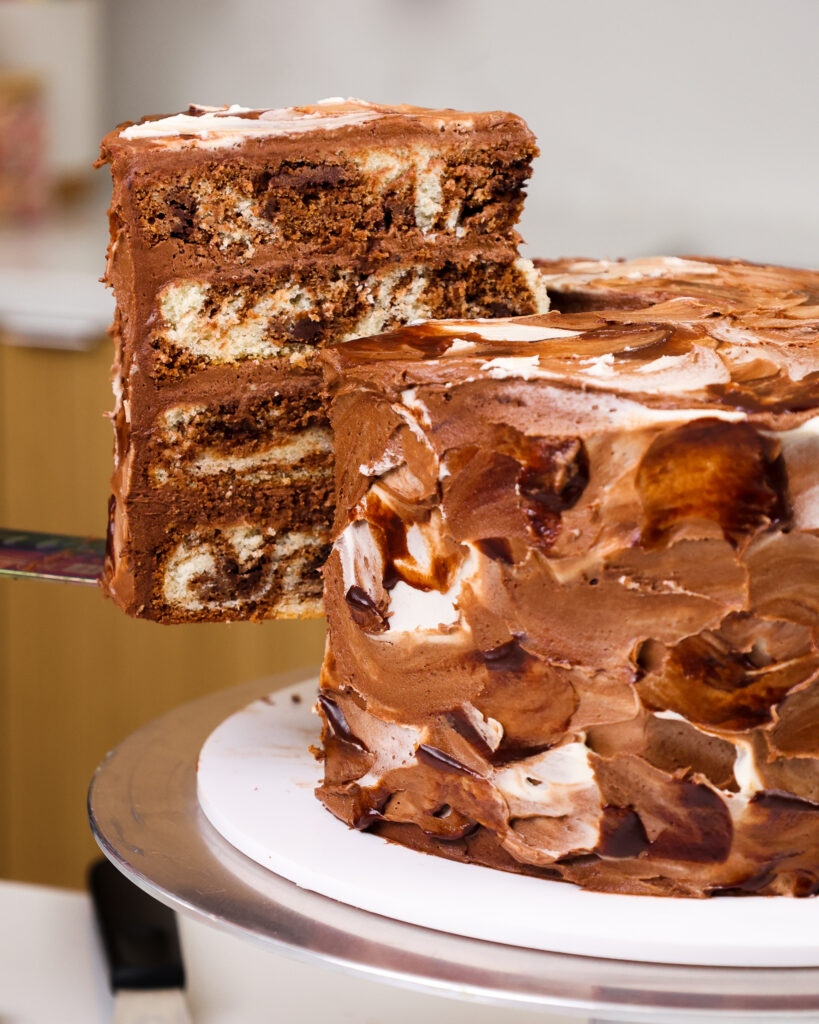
(727, 284)
(203, 126)
(680, 353)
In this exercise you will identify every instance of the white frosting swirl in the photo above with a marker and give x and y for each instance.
(222, 124)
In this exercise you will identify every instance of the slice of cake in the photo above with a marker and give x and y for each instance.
(729, 285)
(242, 242)
(573, 596)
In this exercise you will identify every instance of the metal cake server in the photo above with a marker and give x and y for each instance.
(50, 556)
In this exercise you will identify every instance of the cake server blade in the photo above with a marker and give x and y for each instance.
(51, 556)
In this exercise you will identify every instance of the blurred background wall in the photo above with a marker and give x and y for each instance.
(664, 126)
(685, 127)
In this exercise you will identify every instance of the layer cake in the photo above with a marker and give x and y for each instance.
(242, 242)
(573, 595)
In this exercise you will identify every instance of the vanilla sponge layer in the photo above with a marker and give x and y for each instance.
(271, 458)
(288, 314)
(243, 568)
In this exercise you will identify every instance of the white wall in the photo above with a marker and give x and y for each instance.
(62, 44)
(687, 126)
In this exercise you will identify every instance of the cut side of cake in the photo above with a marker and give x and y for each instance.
(573, 596)
(242, 242)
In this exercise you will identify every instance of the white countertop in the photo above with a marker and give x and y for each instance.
(51, 972)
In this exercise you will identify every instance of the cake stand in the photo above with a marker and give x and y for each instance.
(146, 817)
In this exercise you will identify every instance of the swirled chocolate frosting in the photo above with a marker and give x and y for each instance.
(573, 595)
(242, 242)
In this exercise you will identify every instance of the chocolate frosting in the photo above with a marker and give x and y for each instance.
(205, 126)
(572, 601)
(731, 285)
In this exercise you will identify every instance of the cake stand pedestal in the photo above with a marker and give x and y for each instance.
(146, 817)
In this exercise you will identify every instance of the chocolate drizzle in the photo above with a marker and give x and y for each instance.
(508, 657)
(390, 531)
(458, 720)
(364, 610)
(775, 397)
(510, 752)
(713, 678)
(806, 884)
(622, 834)
(337, 722)
(497, 548)
(442, 761)
(704, 831)
(725, 472)
(749, 887)
(784, 803)
(367, 819)
(554, 475)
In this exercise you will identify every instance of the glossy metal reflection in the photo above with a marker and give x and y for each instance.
(146, 818)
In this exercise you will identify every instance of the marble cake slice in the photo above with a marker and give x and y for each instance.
(242, 242)
(573, 596)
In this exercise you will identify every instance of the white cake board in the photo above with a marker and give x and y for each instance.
(255, 784)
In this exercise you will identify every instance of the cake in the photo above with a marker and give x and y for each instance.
(573, 594)
(242, 242)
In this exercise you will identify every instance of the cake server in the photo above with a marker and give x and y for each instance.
(142, 948)
(51, 556)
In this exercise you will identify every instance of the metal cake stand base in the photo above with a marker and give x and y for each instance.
(145, 815)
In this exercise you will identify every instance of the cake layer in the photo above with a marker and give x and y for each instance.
(572, 600)
(240, 571)
(254, 419)
(287, 314)
(223, 446)
(221, 569)
(579, 285)
(246, 449)
(221, 436)
(350, 180)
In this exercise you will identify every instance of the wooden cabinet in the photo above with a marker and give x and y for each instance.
(76, 675)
